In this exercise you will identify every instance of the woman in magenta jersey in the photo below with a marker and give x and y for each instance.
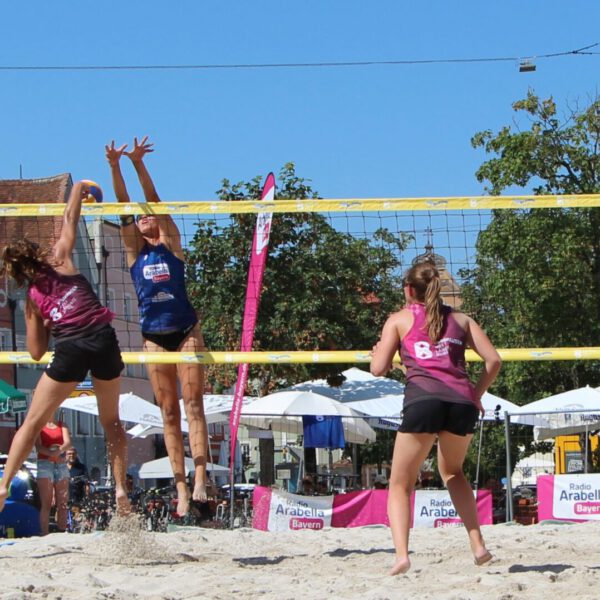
(61, 302)
(169, 323)
(440, 403)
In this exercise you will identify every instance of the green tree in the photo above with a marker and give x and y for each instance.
(323, 289)
(537, 275)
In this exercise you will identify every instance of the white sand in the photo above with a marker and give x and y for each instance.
(541, 561)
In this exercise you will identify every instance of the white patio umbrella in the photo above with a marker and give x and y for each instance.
(284, 409)
(161, 468)
(378, 398)
(132, 408)
(575, 411)
(529, 467)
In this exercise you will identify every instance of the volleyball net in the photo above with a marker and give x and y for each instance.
(333, 273)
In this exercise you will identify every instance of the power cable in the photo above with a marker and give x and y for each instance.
(361, 63)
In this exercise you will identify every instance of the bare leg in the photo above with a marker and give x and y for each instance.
(61, 491)
(107, 393)
(164, 384)
(47, 398)
(46, 492)
(191, 377)
(410, 450)
(452, 450)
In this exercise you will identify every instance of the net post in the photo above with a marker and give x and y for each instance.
(509, 496)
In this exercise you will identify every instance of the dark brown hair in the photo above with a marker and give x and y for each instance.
(23, 260)
(424, 278)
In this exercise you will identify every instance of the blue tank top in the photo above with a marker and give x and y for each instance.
(159, 280)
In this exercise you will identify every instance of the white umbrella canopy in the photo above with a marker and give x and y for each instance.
(161, 468)
(283, 410)
(495, 407)
(571, 412)
(132, 408)
(358, 386)
(378, 398)
(147, 416)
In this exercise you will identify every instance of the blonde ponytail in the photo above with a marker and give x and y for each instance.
(425, 281)
(433, 309)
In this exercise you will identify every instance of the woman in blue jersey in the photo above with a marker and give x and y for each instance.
(168, 320)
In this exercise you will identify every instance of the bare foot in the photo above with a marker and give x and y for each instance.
(123, 504)
(200, 494)
(482, 558)
(183, 503)
(3, 496)
(401, 566)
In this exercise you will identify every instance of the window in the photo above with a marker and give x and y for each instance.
(98, 429)
(5, 340)
(111, 301)
(84, 424)
(127, 307)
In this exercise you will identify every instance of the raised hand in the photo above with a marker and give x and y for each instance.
(140, 149)
(113, 155)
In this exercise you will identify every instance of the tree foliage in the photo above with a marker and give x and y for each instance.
(323, 289)
(537, 277)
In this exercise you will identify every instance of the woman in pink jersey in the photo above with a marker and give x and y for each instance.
(439, 402)
(61, 302)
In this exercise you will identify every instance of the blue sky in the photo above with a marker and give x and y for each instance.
(355, 131)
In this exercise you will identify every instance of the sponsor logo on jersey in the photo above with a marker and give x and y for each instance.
(156, 273)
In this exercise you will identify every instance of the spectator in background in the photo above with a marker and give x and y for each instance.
(78, 473)
(52, 473)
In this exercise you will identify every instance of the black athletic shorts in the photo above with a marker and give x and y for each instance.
(433, 416)
(169, 341)
(97, 352)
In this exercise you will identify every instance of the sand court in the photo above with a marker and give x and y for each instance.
(530, 562)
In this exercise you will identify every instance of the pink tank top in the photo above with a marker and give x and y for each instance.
(435, 371)
(70, 303)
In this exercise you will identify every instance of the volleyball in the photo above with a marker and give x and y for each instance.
(94, 191)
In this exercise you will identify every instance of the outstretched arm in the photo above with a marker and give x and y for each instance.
(132, 239)
(63, 249)
(169, 233)
(113, 156)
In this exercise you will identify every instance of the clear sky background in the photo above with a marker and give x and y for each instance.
(367, 131)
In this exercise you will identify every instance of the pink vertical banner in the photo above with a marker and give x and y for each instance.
(258, 260)
(545, 497)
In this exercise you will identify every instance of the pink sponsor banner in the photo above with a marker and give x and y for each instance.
(545, 487)
(356, 509)
(258, 260)
(276, 510)
(569, 497)
(261, 504)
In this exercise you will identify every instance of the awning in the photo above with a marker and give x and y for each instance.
(11, 398)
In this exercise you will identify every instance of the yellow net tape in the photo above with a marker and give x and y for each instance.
(304, 357)
(309, 206)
